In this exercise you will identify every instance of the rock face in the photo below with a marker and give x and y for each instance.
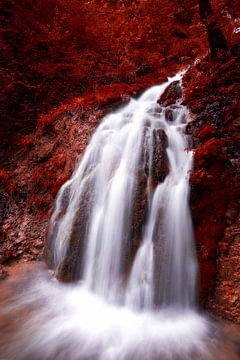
(214, 102)
(215, 202)
(39, 169)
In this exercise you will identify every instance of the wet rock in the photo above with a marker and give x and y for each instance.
(137, 220)
(169, 114)
(172, 93)
(70, 269)
(159, 163)
(159, 170)
(158, 241)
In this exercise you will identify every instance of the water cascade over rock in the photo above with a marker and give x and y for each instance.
(122, 224)
(121, 237)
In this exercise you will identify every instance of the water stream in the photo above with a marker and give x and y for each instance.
(122, 229)
(118, 164)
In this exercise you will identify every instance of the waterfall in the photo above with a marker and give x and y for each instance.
(122, 223)
(121, 238)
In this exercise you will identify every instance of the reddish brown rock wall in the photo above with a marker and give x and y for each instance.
(212, 94)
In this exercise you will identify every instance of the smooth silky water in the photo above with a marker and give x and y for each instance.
(141, 306)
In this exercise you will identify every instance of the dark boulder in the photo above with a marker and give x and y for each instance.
(160, 162)
(172, 93)
(70, 269)
(137, 218)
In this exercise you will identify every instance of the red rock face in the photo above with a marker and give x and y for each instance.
(65, 64)
(215, 180)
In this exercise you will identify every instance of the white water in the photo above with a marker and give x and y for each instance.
(122, 145)
(122, 308)
(52, 321)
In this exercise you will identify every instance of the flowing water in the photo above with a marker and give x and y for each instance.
(122, 228)
(121, 151)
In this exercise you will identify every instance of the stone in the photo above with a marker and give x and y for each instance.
(70, 269)
(172, 93)
(159, 163)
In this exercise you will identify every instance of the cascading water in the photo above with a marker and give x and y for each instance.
(119, 161)
(122, 227)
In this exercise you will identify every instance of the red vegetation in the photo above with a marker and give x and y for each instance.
(56, 50)
(212, 94)
(207, 132)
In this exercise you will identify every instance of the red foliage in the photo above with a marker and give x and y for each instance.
(58, 183)
(209, 152)
(12, 186)
(212, 94)
(56, 50)
(57, 162)
(207, 131)
(7, 181)
(47, 178)
(4, 176)
(26, 141)
(39, 201)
